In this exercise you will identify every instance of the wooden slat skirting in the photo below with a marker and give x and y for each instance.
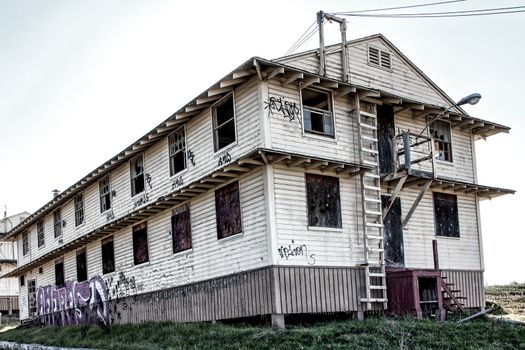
(275, 289)
(471, 285)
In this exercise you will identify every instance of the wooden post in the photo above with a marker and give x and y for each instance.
(435, 252)
(322, 60)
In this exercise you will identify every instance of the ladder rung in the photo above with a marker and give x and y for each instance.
(368, 126)
(371, 212)
(377, 287)
(377, 274)
(374, 224)
(368, 138)
(372, 151)
(372, 200)
(375, 176)
(374, 237)
(368, 162)
(375, 250)
(374, 300)
(374, 188)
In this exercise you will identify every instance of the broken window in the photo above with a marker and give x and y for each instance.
(317, 112)
(177, 150)
(57, 223)
(105, 194)
(59, 274)
(108, 256)
(440, 132)
(40, 236)
(22, 280)
(228, 210)
(324, 204)
(25, 243)
(79, 209)
(81, 266)
(224, 123)
(31, 297)
(140, 244)
(137, 175)
(446, 214)
(181, 229)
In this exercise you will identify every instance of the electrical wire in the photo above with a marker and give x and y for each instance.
(303, 38)
(400, 7)
(465, 13)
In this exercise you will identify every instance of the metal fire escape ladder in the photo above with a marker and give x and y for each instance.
(374, 252)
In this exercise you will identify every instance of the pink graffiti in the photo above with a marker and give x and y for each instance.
(78, 303)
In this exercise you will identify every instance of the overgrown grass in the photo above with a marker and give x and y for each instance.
(511, 298)
(374, 333)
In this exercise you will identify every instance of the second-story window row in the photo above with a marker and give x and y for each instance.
(79, 209)
(105, 194)
(177, 150)
(317, 112)
(137, 175)
(40, 233)
(57, 222)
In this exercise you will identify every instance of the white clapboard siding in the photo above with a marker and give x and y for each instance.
(208, 258)
(331, 247)
(199, 140)
(287, 135)
(454, 253)
(461, 168)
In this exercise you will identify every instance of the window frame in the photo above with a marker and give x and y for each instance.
(185, 150)
(136, 230)
(215, 127)
(25, 243)
(57, 263)
(84, 273)
(101, 194)
(133, 178)
(106, 242)
(79, 212)
(178, 211)
(40, 233)
(446, 197)
(31, 292)
(57, 224)
(310, 225)
(220, 235)
(331, 104)
(437, 141)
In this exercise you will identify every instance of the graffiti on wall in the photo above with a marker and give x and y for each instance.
(224, 159)
(297, 250)
(288, 109)
(141, 201)
(77, 303)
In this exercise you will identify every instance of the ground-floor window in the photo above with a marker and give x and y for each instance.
(323, 201)
(181, 229)
(446, 214)
(59, 274)
(31, 297)
(81, 266)
(228, 210)
(108, 256)
(140, 243)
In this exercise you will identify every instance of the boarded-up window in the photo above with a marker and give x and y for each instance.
(81, 266)
(446, 214)
(25, 243)
(137, 174)
(440, 131)
(108, 256)
(31, 297)
(140, 243)
(224, 123)
(40, 233)
(317, 112)
(228, 210)
(104, 192)
(181, 229)
(324, 204)
(57, 223)
(177, 150)
(79, 209)
(59, 274)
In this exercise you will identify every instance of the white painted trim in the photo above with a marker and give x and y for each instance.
(186, 169)
(271, 225)
(263, 95)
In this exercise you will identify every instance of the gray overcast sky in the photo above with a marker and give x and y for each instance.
(82, 79)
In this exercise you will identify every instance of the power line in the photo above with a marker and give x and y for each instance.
(399, 7)
(303, 38)
(442, 16)
(477, 12)
(293, 47)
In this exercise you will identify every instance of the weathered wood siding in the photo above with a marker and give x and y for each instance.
(287, 135)
(454, 253)
(471, 285)
(208, 257)
(321, 246)
(199, 139)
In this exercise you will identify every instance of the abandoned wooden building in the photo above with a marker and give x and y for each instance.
(292, 186)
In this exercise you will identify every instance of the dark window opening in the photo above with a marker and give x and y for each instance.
(393, 233)
(81, 266)
(228, 210)
(181, 229)
(440, 132)
(108, 256)
(137, 175)
(446, 214)
(25, 243)
(40, 270)
(317, 112)
(224, 123)
(79, 209)
(31, 297)
(22, 280)
(324, 204)
(40, 233)
(140, 244)
(177, 150)
(59, 274)
(105, 194)
(57, 223)
(386, 136)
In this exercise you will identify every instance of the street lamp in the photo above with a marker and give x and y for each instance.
(471, 99)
